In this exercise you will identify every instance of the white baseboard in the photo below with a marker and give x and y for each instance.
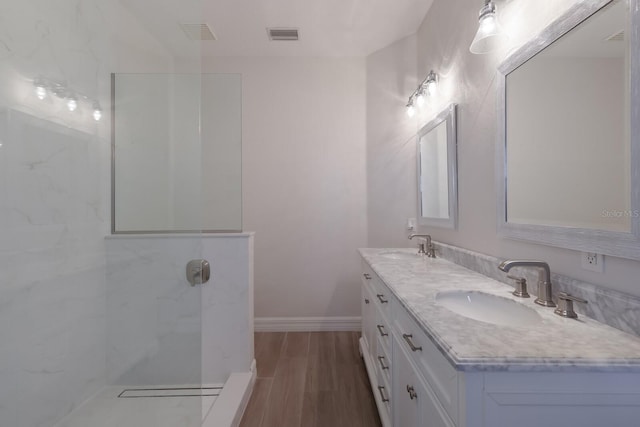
(306, 324)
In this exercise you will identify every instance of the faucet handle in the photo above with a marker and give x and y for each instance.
(421, 250)
(565, 305)
(521, 286)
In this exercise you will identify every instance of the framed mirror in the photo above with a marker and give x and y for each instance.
(437, 171)
(568, 158)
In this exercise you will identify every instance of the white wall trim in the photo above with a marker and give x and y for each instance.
(307, 324)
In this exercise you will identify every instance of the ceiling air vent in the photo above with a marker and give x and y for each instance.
(280, 34)
(616, 37)
(198, 31)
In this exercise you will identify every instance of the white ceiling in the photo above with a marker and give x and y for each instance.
(327, 27)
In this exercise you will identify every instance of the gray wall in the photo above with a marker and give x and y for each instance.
(304, 180)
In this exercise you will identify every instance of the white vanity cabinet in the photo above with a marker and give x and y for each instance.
(415, 385)
(396, 372)
(375, 343)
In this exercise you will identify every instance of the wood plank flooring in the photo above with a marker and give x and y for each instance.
(310, 379)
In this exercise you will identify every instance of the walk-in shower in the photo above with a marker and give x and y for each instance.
(120, 163)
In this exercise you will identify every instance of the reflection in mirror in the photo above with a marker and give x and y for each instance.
(437, 199)
(567, 129)
(565, 137)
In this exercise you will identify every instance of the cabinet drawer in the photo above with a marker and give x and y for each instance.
(383, 361)
(384, 392)
(441, 377)
(382, 297)
(383, 331)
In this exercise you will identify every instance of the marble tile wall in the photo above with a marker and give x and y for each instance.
(53, 211)
(161, 330)
(616, 309)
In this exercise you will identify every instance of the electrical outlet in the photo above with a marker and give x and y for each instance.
(411, 224)
(593, 262)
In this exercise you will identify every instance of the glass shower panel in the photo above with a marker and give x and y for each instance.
(87, 320)
(156, 125)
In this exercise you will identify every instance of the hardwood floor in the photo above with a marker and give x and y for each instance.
(310, 379)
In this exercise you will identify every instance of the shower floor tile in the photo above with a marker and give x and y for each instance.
(108, 410)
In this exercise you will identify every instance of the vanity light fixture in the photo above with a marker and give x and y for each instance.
(426, 88)
(72, 103)
(490, 32)
(43, 87)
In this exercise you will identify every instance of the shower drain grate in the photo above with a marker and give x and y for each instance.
(170, 392)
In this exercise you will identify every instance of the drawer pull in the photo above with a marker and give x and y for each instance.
(381, 298)
(380, 359)
(366, 300)
(412, 346)
(412, 392)
(384, 399)
(381, 330)
(367, 276)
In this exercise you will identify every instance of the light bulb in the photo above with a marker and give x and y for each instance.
(420, 99)
(432, 87)
(432, 83)
(410, 110)
(72, 103)
(490, 34)
(41, 92)
(97, 112)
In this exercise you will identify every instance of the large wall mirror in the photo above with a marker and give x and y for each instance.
(437, 171)
(569, 133)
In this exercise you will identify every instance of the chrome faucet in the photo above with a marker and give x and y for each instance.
(544, 278)
(431, 251)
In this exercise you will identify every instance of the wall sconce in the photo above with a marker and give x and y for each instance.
(43, 87)
(426, 88)
(490, 32)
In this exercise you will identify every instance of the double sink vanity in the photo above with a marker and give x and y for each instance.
(448, 346)
(446, 338)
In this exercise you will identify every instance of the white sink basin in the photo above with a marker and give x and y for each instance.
(487, 308)
(399, 255)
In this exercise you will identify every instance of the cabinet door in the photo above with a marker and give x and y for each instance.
(368, 319)
(431, 413)
(406, 390)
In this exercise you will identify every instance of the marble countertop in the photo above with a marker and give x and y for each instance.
(552, 344)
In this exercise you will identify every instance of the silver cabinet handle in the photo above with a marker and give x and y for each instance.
(412, 346)
(366, 301)
(381, 330)
(381, 298)
(384, 399)
(367, 276)
(382, 365)
(412, 392)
